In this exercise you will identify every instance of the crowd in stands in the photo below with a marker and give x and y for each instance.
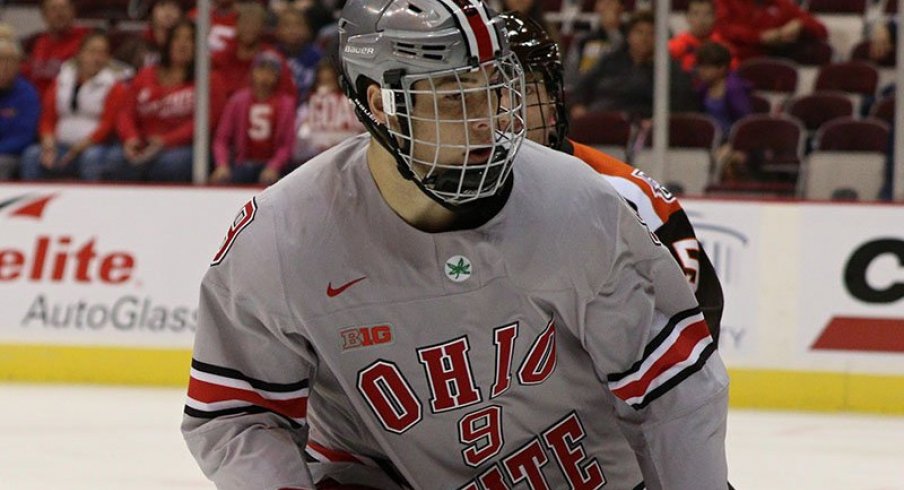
(119, 105)
(93, 105)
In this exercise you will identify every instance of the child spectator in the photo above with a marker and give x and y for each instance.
(296, 43)
(724, 95)
(19, 109)
(258, 126)
(59, 43)
(156, 123)
(766, 27)
(234, 62)
(327, 118)
(701, 21)
(144, 50)
(607, 36)
(79, 115)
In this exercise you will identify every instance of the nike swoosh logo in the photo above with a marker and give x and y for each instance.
(341, 289)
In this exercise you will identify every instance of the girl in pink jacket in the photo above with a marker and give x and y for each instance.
(256, 132)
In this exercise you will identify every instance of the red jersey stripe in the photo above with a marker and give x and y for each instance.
(202, 391)
(680, 351)
(333, 455)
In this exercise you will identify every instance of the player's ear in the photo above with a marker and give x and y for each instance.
(375, 103)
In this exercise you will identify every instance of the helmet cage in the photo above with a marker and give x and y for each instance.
(488, 96)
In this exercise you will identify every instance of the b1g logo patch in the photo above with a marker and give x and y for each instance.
(243, 219)
(357, 337)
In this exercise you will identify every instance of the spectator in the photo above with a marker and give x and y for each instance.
(56, 45)
(623, 79)
(607, 36)
(156, 123)
(223, 20)
(725, 96)
(882, 40)
(144, 50)
(258, 126)
(766, 27)
(234, 62)
(19, 109)
(701, 21)
(327, 118)
(7, 32)
(296, 43)
(79, 115)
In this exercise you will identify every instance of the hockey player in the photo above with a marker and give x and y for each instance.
(442, 309)
(547, 124)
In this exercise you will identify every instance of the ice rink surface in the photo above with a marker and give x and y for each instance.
(101, 438)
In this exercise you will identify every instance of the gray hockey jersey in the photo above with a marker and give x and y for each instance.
(519, 354)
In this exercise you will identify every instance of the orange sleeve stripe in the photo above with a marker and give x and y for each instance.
(608, 165)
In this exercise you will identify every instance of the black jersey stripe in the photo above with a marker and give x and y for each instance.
(254, 382)
(248, 409)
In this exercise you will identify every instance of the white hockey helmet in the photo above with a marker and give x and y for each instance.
(445, 45)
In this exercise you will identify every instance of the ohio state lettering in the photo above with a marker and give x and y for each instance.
(504, 338)
(541, 361)
(527, 464)
(389, 396)
(563, 440)
(450, 375)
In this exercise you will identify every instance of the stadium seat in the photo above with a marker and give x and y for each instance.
(849, 156)
(815, 109)
(607, 131)
(858, 79)
(884, 109)
(689, 159)
(778, 142)
(760, 104)
(774, 78)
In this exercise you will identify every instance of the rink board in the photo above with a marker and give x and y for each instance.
(100, 285)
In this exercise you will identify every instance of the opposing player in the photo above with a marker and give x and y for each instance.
(445, 305)
(547, 124)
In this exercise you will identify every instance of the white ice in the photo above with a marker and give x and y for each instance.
(103, 438)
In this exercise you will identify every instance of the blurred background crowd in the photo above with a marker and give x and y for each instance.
(767, 97)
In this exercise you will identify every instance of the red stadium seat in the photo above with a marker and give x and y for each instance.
(760, 104)
(884, 109)
(849, 157)
(856, 78)
(861, 52)
(689, 158)
(774, 78)
(609, 131)
(777, 142)
(815, 109)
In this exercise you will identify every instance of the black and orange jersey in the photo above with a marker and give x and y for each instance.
(662, 212)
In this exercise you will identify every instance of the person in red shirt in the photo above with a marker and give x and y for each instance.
(156, 122)
(234, 62)
(701, 21)
(766, 27)
(327, 117)
(255, 135)
(144, 49)
(223, 19)
(57, 44)
(79, 115)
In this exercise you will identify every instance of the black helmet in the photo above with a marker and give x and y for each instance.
(539, 56)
